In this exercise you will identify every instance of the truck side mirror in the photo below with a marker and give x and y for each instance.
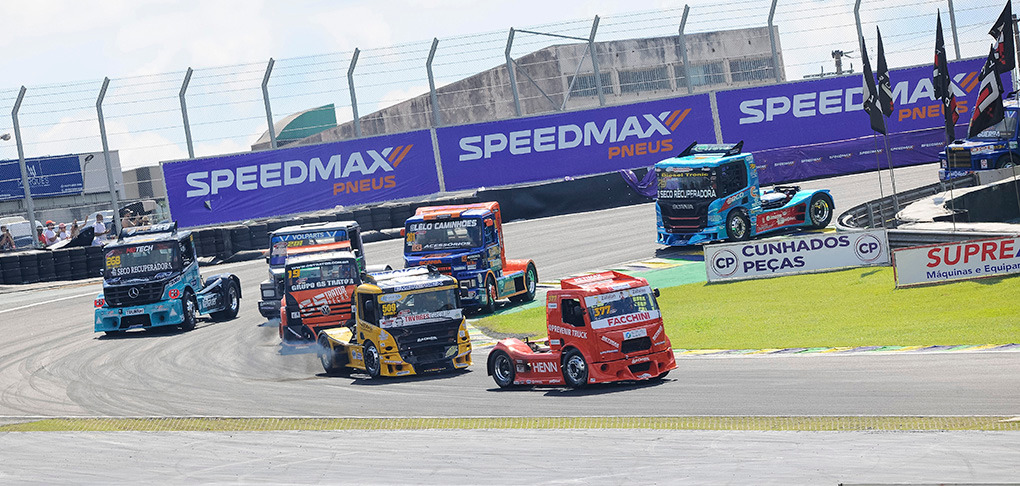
(655, 292)
(267, 259)
(403, 232)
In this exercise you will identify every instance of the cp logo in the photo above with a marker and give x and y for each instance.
(724, 263)
(868, 248)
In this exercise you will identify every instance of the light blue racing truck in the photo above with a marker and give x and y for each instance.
(710, 193)
(151, 279)
(994, 148)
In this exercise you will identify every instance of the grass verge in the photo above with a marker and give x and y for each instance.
(858, 307)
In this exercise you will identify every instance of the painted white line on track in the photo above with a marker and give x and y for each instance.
(47, 302)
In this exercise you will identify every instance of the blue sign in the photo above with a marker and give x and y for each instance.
(572, 144)
(300, 179)
(47, 177)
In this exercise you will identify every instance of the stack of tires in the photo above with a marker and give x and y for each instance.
(46, 270)
(240, 238)
(400, 213)
(364, 218)
(381, 216)
(30, 267)
(258, 236)
(10, 269)
(78, 258)
(94, 261)
(62, 264)
(343, 215)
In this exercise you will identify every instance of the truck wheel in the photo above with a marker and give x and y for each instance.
(233, 304)
(502, 369)
(738, 227)
(1007, 161)
(490, 296)
(372, 366)
(530, 284)
(820, 211)
(327, 356)
(190, 309)
(575, 369)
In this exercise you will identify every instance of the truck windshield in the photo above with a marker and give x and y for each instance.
(615, 308)
(321, 275)
(142, 260)
(453, 234)
(408, 309)
(686, 183)
(279, 243)
(1004, 130)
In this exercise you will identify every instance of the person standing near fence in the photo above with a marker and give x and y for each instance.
(6, 240)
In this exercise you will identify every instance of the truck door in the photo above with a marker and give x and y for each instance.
(732, 178)
(490, 238)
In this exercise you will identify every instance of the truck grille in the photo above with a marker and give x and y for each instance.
(417, 346)
(959, 159)
(635, 345)
(684, 216)
(129, 295)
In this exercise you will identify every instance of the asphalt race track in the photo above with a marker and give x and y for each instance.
(52, 364)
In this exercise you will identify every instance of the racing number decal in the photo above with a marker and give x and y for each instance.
(113, 261)
(294, 273)
(389, 309)
(602, 310)
(175, 293)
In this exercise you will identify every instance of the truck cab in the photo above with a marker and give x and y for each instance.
(305, 235)
(151, 279)
(318, 292)
(993, 148)
(408, 322)
(466, 242)
(711, 192)
(602, 327)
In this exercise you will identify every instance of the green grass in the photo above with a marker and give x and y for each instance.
(858, 307)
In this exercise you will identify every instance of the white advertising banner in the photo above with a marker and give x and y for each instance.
(956, 261)
(783, 256)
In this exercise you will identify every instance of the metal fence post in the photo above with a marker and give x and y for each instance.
(510, 70)
(683, 48)
(354, 96)
(595, 61)
(265, 97)
(437, 120)
(29, 204)
(184, 114)
(952, 23)
(772, 39)
(106, 153)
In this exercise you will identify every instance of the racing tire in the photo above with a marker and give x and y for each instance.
(490, 296)
(1007, 161)
(501, 367)
(233, 303)
(530, 285)
(738, 227)
(190, 310)
(328, 358)
(575, 369)
(372, 362)
(820, 211)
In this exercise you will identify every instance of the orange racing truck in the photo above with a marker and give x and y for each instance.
(318, 290)
(602, 327)
(466, 242)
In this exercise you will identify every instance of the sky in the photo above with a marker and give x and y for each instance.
(62, 49)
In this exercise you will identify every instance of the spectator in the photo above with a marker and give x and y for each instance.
(6, 240)
(40, 236)
(75, 229)
(49, 234)
(62, 233)
(127, 220)
(100, 231)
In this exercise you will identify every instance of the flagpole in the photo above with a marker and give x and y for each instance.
(892, 176)
(881, 190)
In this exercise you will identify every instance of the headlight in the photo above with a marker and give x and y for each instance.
(268, 293)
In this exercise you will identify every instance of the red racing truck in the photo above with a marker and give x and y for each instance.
(318, 290)
(602, 327)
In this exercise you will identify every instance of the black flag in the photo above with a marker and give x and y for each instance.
(871, 95)
(988, 109)
(884, 83)
(1002, 31)
(943, 85)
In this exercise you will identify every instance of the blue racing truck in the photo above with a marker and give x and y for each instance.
(466, 242)
(993, 148)
(151, 279)
(710, 193)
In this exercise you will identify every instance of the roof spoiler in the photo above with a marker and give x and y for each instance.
(706, 148)
(149, 230)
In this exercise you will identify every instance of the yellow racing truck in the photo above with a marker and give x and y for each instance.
(407, 322)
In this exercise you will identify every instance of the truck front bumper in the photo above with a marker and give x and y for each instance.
(634, 368)
(459, 357)
(270, 309)
(684, 239)
(165, 313)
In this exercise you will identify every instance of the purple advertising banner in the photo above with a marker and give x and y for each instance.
(826, 110)
(787, 164)
(298, 179)
(572, 144)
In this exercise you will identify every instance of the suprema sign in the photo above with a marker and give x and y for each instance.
(956, 261)
(782, 256)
